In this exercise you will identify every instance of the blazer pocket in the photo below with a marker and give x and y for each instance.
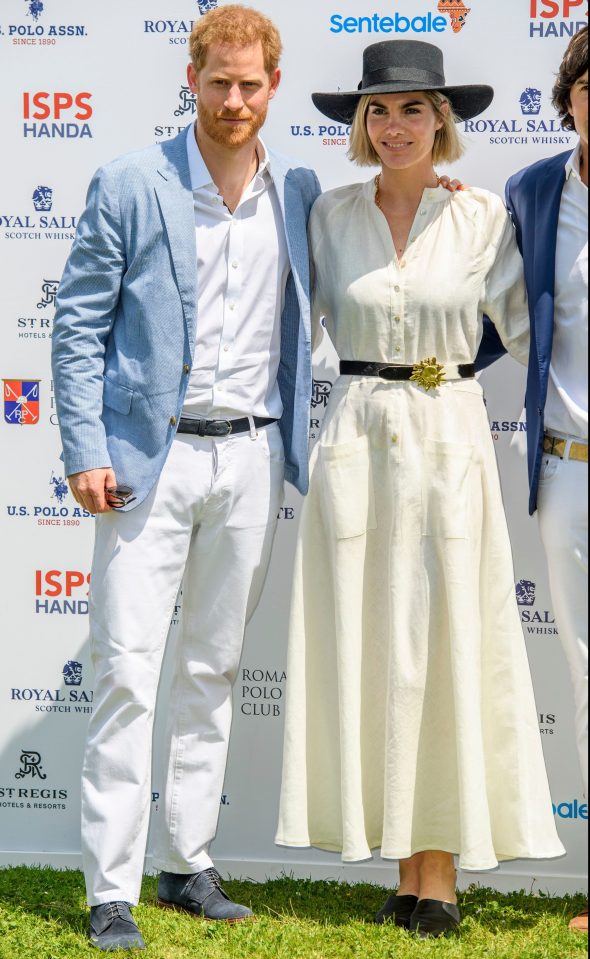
(117, 397)
(447, 473)
(348, 497)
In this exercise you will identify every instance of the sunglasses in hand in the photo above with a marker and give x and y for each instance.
(119, 496)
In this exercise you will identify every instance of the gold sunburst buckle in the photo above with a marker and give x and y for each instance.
(428, 373)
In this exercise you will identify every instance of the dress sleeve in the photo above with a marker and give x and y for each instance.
(318, 305)
(504, 297)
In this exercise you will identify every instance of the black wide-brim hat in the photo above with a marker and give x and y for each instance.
(400, 66)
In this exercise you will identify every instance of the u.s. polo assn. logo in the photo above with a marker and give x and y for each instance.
(35, 9)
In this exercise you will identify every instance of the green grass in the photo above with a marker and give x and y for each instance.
(43, 916)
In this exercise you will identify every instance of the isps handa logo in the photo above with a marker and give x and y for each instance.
(34, 30)
(46, 222)
(61, 592)
(55, 508)
(177, 32)
(557, 18)
(70, 697)
(446, 13)
(536, 622)
(32, 788)
(186, 107)
(528, 123)
(64, 115)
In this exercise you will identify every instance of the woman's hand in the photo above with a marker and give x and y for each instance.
(451, 185)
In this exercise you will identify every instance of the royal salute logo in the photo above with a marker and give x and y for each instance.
(556, 18)
(535, 622)
(49, 225)
(69, 699)
(177, 32)
(34, 32)
(531, 126)
(72, 673)
(21, 402)
(43, 198)
(64, 114)
(187, 102)
(526, 592)
(530, 101)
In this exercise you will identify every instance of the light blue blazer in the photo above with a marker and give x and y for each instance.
(127, 314)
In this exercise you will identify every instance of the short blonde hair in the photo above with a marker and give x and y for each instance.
(235, 26)
(447, 145)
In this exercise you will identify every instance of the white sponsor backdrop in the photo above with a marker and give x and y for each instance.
(83, 82)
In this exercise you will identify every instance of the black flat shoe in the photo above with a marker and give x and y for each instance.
(398, 908)
(432, 918)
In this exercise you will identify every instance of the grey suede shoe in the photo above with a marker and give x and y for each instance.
(201, 895)
(112, 927)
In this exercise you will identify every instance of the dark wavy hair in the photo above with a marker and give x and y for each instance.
(573, 65)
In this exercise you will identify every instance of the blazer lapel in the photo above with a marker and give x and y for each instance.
(547, 204)
(295, 222)
(175, 199)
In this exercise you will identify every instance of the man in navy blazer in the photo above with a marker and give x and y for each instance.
(182, 365)
(548, 202)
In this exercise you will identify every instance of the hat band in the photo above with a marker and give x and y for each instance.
(405, 74)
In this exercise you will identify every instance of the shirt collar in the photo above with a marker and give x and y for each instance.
(199, 173)
(572, 167)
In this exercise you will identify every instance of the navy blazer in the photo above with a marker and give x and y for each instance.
(533, 198)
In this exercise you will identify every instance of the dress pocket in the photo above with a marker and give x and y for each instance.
(348, 498)
(446, 489)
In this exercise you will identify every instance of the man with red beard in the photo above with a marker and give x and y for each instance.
(182, 367)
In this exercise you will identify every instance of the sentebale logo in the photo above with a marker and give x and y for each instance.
(456, 11)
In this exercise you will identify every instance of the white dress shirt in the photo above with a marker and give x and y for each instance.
(566, 410)
(242, 270)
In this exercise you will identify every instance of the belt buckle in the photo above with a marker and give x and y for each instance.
(429, 374)
(222, 427)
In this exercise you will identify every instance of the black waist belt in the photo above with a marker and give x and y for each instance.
(428, 373)
(220, 427)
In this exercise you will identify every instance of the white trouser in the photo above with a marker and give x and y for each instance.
(563, 521)
(212, 518)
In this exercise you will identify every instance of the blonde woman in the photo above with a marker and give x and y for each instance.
(411, 723)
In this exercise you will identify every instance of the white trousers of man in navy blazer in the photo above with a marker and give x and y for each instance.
(182, 364)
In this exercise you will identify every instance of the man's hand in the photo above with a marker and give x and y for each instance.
(89, 489)
(451, 185)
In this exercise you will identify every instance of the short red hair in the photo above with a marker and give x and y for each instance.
(235, 26)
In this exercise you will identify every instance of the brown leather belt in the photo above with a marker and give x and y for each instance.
(558, 446)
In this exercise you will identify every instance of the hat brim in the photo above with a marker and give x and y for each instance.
(467, 101)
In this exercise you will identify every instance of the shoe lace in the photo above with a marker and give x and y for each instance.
(118, 910)
(213, 876)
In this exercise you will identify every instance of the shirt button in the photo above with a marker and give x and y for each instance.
(397, 289)
(397, 319)
(235, 265)
(403, 264)
(394, 439)
(226, 349)
(172, 421)
(423, 212)
(232, 305)
(186, 369)
(398, 349)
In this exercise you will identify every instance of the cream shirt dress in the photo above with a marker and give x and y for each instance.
(411, 722)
